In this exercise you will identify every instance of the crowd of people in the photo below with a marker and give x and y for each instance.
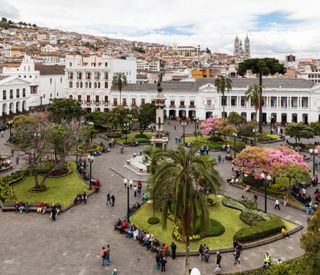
(81, 197)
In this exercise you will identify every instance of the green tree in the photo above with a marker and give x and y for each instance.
(295, 174)
(65, 110)
(246, 129)
(261, 67)
(315, 126)
(253, 93)
(176, 185)
(235, 118)
(145, 116)
(311, 243)
(119, 81)
(88, 133)
(223, 84)
(298, 131)
(99, 119)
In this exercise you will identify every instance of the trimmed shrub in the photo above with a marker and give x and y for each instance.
(215, 229)
(153, 220)
(211, 202)
(251, 204)
(142, 140)
(113, 135)
(141, 136)
(259, 230)
(250, 218)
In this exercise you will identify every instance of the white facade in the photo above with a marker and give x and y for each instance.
(89, 79)
(311, 74)
(14, 95)
(152, 66)
(286, 100)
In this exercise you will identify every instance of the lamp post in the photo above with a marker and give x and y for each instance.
(77, 156)
(128, 204)
(126, 125)
(266, 178)
(313, 152)
(195, 126)
(255, 136)
(184, 124)
(234, 144)
(10, 130)
(90, 160)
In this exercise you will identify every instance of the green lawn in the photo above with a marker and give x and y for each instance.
(228, 217)
(131, 137)
(61, 190)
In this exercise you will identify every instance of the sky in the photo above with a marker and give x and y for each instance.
(275, 27)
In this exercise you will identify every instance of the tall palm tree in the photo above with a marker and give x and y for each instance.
(261, 67)
(253, 93)
(176, 187)
(223, 84)
(119, 81)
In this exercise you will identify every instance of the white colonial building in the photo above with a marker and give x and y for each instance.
(285, 100)
(89, 79)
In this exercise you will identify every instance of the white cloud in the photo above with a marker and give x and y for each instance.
(214, 22)
(8, 10)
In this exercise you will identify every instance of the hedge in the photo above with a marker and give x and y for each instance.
(113, 135)
(142, 140)
(215, 229)
(141, 136)
(259, 230)
(153, 220)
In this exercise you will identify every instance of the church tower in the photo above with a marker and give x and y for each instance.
(247, 47)
(236, 51)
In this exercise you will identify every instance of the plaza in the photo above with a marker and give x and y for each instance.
(32, 244)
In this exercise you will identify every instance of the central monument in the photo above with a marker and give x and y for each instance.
(160, 139)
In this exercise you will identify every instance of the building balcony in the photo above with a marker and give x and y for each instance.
(182, 106)
(192, 106)
(172, 106)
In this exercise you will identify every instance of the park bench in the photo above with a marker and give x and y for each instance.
(10, 206)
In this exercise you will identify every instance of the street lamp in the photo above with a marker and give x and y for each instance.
(128, 204)
(126, 125)
(266, 178)
(313, 152)
(10, 127)
(184, 124)
(234, 144)
(90, 160)
(195, 125)
(255, 136)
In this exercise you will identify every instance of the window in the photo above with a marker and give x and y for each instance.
(106, 76)
(98, 85)
(284, 102)
(50, 80)
(115, 102)
(96, 76)
(24, 92)
(209, 102)
(172, 103)
(17, 93)
(97, 99)
(106, 98)
(192, 103)
(70, 84)
(133, 102)
(70, 64)
(79, 98)
(4, 94)
(79, 75)
(294, 102)
(88, 76)
(273, 101)
(70, 75)
(88, 98)
(106, 85)
(181, 103)
(60, 79)
(224, 101)
(233, 101)
(304, 101)
(243, 101)
(143, 101)
(124, 102)
(106, 64)
(50, 95)
(11, 94)
(33, 89)
(89, 85)
(80, 84)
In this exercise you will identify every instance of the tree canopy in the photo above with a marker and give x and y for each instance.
(298, 131)
(65, 110)
(235, 118)
(146, 114)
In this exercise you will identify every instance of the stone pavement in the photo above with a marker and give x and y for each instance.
(32, 244)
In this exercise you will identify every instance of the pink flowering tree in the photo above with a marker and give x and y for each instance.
(211, 125)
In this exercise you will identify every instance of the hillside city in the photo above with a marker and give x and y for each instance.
(126, 157)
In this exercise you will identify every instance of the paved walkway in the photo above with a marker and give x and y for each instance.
(32, 244)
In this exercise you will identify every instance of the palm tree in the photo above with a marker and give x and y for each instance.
(253, 93)
(223, 84)
(176, 187)
(119, 81)
(261, 67)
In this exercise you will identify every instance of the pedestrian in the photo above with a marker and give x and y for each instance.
(163, 263)
(103, 256)
(219, 258)
(125, 182)
(285, 200)
(131, 183)
(108, 254)
(219, 158)
(113, 199)
(236, 255)
(173, 250)
(17, 159)
(158, 260)
(277, 204)
(53, 213)
(2, 133)
(84, 197)
(108, 199)
(135, 190)
(114, 272)
(255, 197)
(12, 152)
